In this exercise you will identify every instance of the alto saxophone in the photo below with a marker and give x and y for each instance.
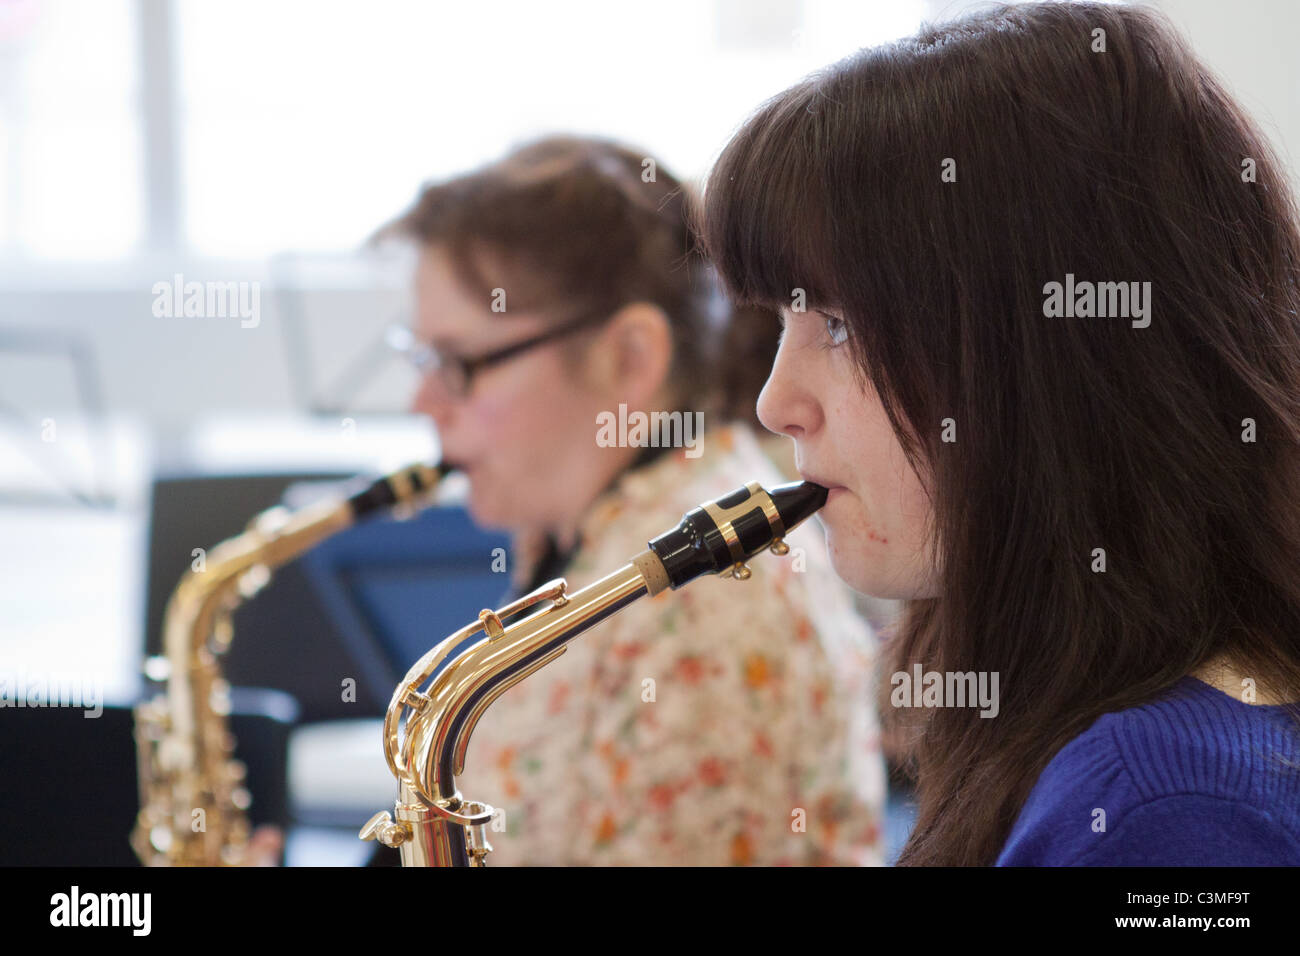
(427, 728)
(193, 801)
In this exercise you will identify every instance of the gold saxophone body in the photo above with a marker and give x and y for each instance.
(193, 801)
(434, 710)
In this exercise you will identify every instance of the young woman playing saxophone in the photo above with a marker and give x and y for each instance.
(1096, 504)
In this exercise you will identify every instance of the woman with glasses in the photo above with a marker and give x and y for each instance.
(559, 298)
(1050, 369)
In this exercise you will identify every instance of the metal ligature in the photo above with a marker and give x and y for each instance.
(434, 710)
(187, 769)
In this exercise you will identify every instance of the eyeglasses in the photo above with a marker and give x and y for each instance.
(456, 374)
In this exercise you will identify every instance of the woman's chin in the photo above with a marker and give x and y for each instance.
(486, 514)
(865, 574)
(848, 568)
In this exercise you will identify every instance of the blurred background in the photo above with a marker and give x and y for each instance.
(145, 144)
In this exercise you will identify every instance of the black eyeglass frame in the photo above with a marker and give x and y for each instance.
(458, 373)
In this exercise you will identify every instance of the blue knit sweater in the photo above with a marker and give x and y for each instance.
(1194, 778)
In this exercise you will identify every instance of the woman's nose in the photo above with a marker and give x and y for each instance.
(432, 399)
(785, 406)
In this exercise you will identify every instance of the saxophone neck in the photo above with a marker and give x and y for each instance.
(441, 719)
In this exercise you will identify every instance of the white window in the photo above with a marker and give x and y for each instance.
(241, 128)
(306, 125)
(71, 183)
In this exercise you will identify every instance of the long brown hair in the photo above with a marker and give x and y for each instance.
(574, 225)
(1071, 433)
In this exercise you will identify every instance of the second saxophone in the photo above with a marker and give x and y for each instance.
(193, 800)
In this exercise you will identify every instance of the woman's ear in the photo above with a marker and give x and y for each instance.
(634, 354)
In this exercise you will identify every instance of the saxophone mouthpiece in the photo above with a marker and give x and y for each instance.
(798, 501)
(719, 536)
(406, 485)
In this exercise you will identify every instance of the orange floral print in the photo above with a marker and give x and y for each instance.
(757, 673)
(742, 851)
(712, 773)
(620, 770)
(661, 796)
(559, 694)
(690, 669)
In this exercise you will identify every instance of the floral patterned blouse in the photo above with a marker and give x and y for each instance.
(728, 723)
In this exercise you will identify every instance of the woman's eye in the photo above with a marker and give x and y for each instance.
(837, 330)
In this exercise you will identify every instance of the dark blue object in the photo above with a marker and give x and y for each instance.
(394, 589)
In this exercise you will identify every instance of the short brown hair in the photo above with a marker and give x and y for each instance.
(574, 225)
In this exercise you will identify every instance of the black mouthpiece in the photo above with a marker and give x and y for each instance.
(409, 483)
(715, 536)
(797, 501)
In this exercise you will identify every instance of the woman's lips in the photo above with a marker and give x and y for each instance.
(828, 485)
